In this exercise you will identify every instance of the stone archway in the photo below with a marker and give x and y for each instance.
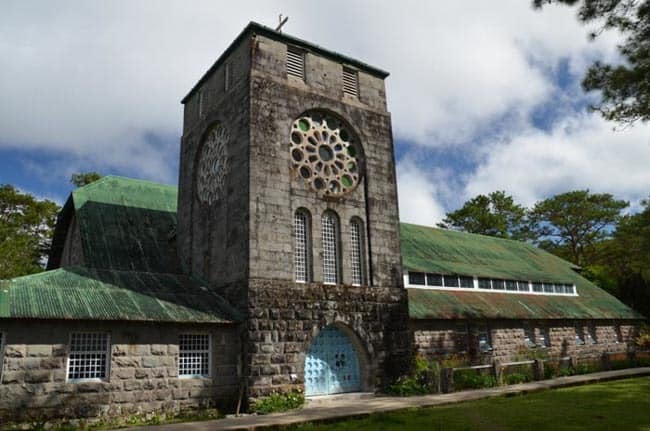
(332, 365)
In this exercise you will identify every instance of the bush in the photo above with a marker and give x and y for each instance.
(278, 403)
(643, 340)
(471, 379)
(586, 369)
(406, 386)
(514, 378)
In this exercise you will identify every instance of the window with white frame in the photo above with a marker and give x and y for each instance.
(529, 336)
(302, 240)
(579, 335)
(194, 355)
(356, 252)
(544, 338)
(295, 62)
(441, 281)
(89, 356)
(484, 343)
(591, 336)
(330, 238)
(350, 82)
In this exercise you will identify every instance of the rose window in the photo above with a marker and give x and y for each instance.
(326, 154)
(212, 166)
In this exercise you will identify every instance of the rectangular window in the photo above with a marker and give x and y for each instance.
(330, 237)
(466, 282)
(498, 284)
(461, 337)
(511, 285)
(558, 288)
(484, 283)
(416, 278)
(568, 289)
(356, 252)
(350, 82)
(89, 356)
(295, 62)
(529, 337)
(523, 286)
(434, 280)
(484, 344)
(548, 287)
(538, 287)
(194, 355)
(591, 335)
(301, 247)
(544, 338)
(580, 335)
(450, 281)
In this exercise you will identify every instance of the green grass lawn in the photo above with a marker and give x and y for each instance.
(619, 405)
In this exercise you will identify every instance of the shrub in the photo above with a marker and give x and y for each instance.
(406, 386)
(514, 378)
(471, 379)
(278, 403)
(586, 369)
(643, 340)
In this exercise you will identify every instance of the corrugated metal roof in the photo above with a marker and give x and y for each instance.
(444, 251)
(83, 293)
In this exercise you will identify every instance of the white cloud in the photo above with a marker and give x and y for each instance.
(579, 152)
(418, 196)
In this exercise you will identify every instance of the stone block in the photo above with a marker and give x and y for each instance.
(37, 376)
(39, 350)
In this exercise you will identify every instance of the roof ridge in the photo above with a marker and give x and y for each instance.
(454, 231)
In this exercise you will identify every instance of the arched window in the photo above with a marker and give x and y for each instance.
(302, 238)
(330, 237)
(357, 252)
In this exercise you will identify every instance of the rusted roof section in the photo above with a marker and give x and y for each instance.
(444, 251)
(125, 224)
(83, 293)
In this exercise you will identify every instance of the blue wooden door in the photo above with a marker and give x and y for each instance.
(331, 366)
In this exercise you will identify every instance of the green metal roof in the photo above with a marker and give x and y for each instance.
(125, 224)
(83, 293)
(435, 250)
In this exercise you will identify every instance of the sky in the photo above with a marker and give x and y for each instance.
(484, 96)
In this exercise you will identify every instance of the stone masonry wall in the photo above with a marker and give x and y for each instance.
(143, 371)
(285, 318)
(436, 338)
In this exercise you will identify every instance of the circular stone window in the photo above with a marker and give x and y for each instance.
(212, 166)
(325, 153)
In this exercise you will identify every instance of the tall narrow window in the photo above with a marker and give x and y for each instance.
(89, 353)
(330, 234)
(356, 252)
(302, 238)
(484, 344)
(350, 82)
(295, 62)
(194, 355)
(200, 103)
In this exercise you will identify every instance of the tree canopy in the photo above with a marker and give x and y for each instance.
(495, 214)
(624, 88)
(571, 223)
(26, 226)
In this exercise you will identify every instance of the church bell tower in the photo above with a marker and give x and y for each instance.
(288, 208)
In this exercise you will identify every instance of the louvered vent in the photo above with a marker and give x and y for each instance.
(350, 82)
(295, 63)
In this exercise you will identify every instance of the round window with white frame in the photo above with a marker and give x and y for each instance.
(212, 165)
(326, 153)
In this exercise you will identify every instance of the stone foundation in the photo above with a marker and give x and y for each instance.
(143, 371)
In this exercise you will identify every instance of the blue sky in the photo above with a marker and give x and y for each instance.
(483, 98)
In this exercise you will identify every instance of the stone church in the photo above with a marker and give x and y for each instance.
(278, 263)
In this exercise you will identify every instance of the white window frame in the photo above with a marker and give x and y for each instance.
(484, 332)
(544, 338)
(357, 252)
(331, 252)
(107, 353)
(476, 287)
(209, 351)
(306, 256)
(591, 337)
(529, 336)
(580, 338)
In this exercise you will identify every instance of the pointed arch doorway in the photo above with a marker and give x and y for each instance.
(332, 365)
